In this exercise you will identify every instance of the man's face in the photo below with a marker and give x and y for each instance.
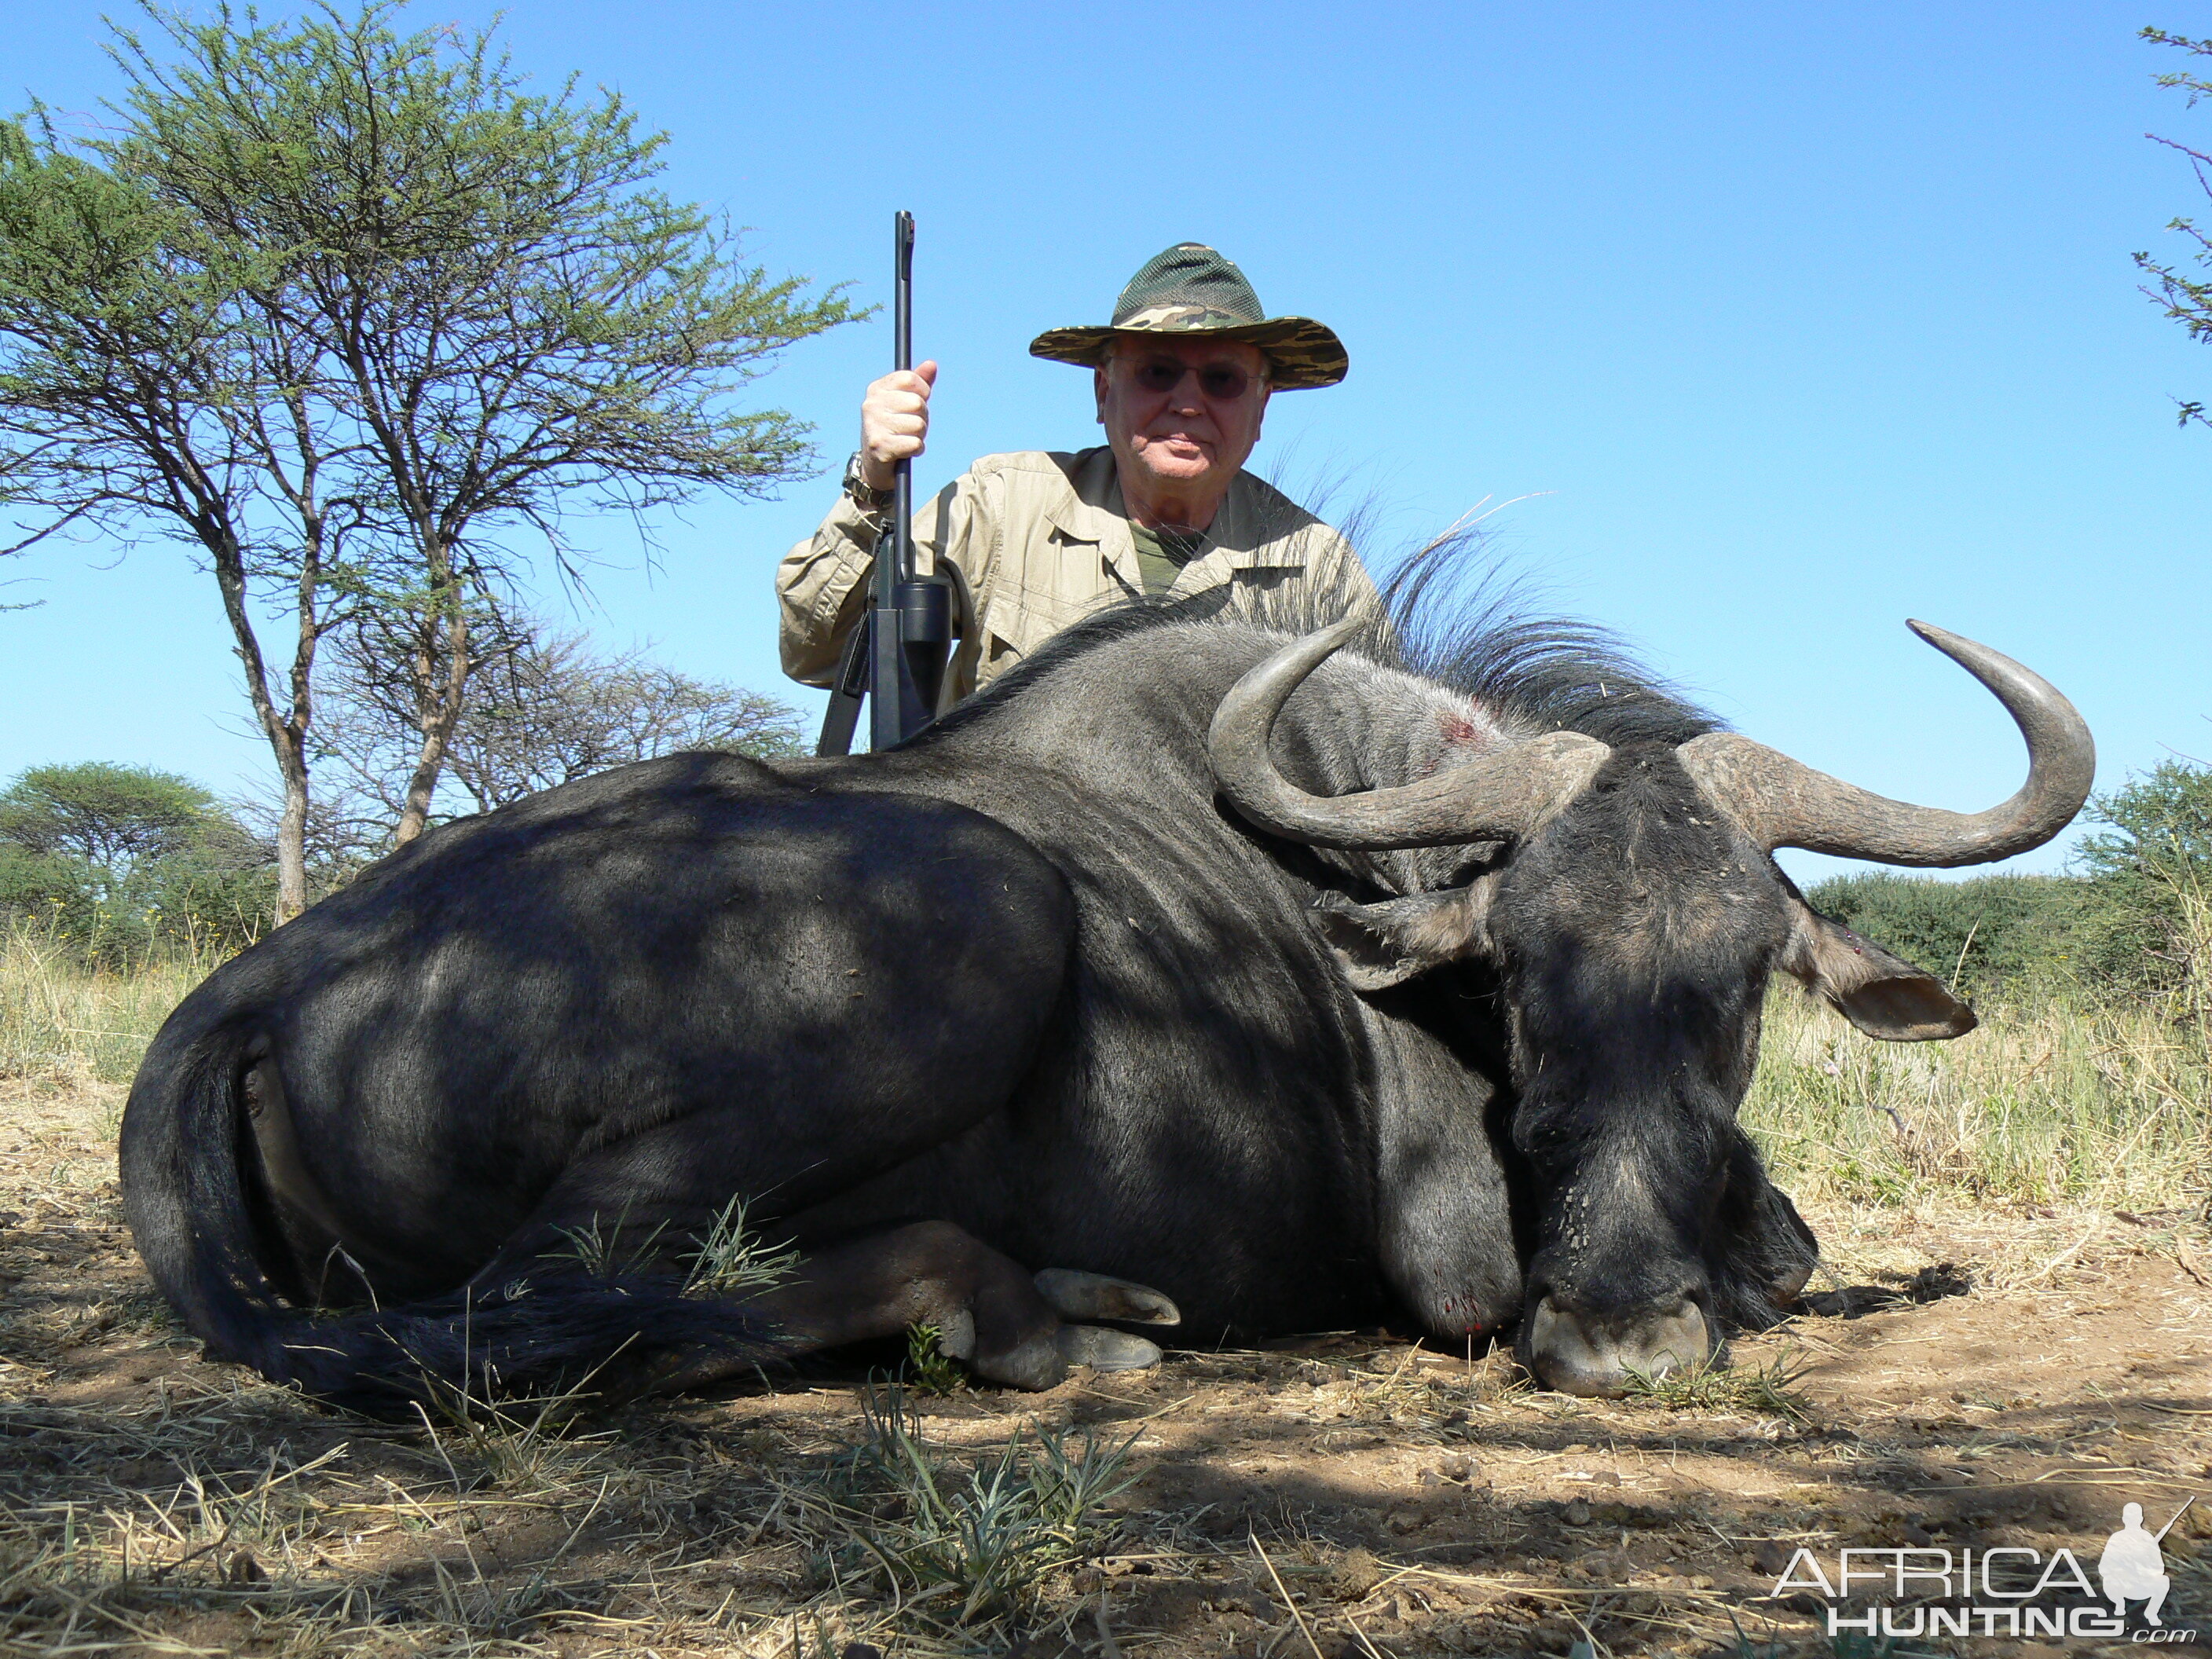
(1182, 412)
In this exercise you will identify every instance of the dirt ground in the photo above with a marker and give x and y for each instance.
(1970, 1378)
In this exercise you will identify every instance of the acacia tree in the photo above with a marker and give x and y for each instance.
(113, 816)
(2186, 300)
(346, 310)
(139, 392)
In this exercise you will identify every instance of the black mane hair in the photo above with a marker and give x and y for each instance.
(1458, 620)
(1453, 618)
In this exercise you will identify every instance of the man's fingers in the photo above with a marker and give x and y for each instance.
(905, 382)
(895, 419)
(897, 427)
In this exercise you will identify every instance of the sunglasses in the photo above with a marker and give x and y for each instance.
(1221, 383)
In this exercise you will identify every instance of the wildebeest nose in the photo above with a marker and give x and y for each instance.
(1584, 1353)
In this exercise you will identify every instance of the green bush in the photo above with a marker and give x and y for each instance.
(120, 864)
(1985, 932)
(56, 888)
(2152, 871)
(200, 904)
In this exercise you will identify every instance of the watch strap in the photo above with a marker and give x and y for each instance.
(866, 499)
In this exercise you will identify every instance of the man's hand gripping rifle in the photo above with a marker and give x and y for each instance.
(896, 658)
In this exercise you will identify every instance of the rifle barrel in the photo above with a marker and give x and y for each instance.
(902, 350)
(2159, 1536)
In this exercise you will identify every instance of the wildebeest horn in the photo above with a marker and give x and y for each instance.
(1499, 797)
(1781, 802)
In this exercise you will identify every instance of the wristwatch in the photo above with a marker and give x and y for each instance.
(866, 498)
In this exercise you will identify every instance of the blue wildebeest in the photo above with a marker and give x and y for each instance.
(1207, 968)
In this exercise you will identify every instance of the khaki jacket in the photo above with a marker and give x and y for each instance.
(1044, 540)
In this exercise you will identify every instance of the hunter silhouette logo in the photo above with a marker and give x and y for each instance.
(2002, 1590)
(2134, 1566)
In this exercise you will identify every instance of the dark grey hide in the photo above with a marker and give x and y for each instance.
(1023, 991)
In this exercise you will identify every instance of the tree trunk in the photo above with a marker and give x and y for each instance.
(439, 700)
(292, 833)
(286, 735)
(292, 753)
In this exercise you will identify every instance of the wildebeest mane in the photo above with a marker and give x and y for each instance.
(1455, 617)
(1459, 619)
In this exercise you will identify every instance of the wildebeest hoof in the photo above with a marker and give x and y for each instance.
(1075, 1295)
(1103, 1350)
(1037, 1364)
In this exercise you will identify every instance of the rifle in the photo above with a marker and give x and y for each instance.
(896, 657)
(2159, 1536)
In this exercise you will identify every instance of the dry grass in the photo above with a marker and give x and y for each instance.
(1346, 1495)
(2051, 1105)
(2071, 1100)
(61, 1021)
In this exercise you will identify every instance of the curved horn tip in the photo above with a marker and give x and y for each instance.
(1809, 809)
(1340, 633)
(1941, 638)
(1963, 651)
(1931, 632)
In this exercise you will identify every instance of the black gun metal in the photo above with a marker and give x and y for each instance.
(896, 656)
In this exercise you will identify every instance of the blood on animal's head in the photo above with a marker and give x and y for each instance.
(1465, 724)
(1460, 728)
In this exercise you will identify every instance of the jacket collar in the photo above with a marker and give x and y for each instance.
(1254, 529)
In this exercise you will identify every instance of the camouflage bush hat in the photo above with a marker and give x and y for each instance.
(1192, 289)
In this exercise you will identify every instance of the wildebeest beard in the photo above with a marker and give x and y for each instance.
(1299, 986)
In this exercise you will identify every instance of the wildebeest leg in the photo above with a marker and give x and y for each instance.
(644, 1197)
(987, 1310)
(644, 1204)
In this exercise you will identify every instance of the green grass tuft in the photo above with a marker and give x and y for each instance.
(1759, 1391)
(928, 1369)
(963, 1542)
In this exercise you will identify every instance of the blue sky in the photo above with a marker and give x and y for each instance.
(1774, 325)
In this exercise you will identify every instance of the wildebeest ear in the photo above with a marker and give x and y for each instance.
(1387, 943)
(1883, 995)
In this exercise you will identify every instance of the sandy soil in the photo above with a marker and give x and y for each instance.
(1968, 1377)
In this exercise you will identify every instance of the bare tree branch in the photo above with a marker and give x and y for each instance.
(544, 710)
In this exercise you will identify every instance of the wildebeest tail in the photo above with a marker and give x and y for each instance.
(189, 1168)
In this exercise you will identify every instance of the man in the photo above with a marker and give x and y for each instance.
(2132, 1567)
(1183, 376)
